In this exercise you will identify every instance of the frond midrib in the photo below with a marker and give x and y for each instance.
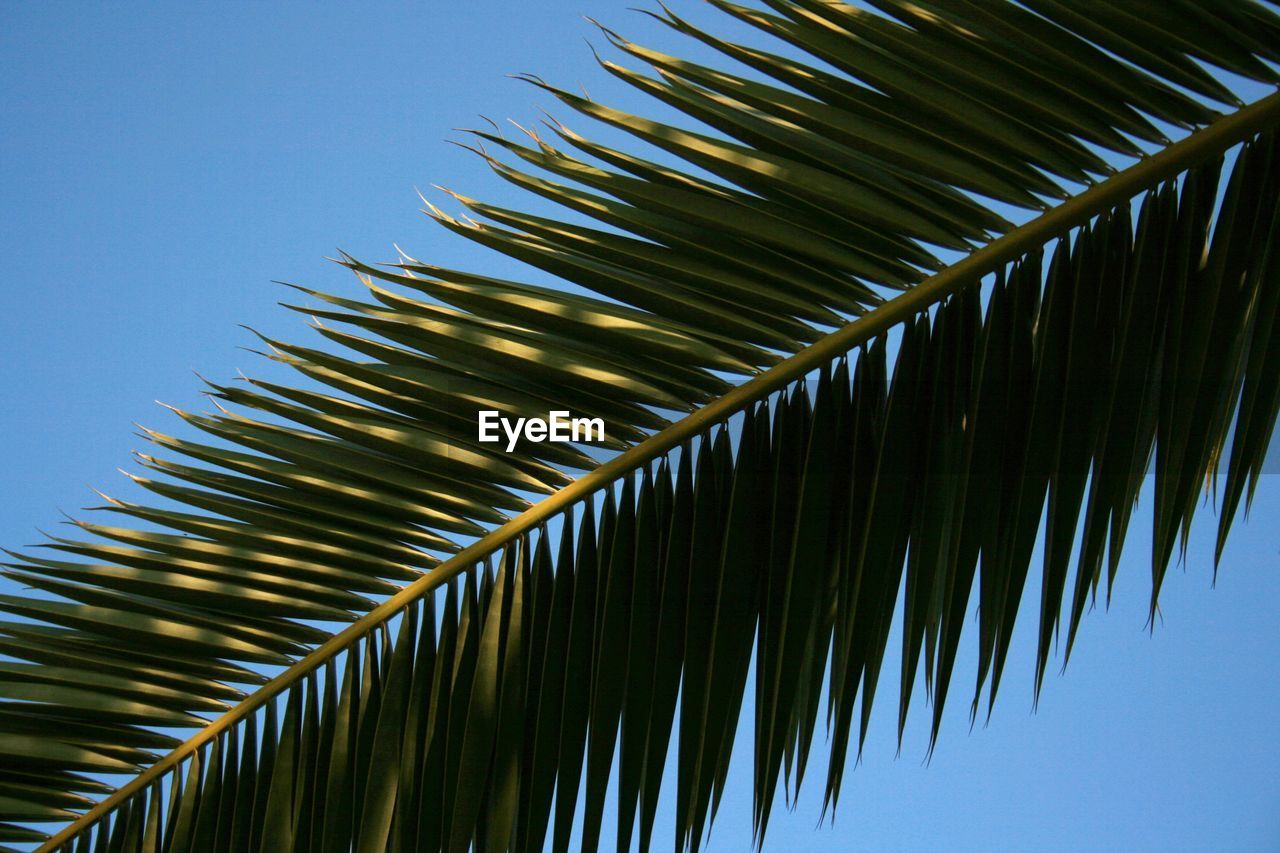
(1211, 140)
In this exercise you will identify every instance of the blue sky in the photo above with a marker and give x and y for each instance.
(159, 167)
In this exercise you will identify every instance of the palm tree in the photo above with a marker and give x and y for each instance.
(829, 368)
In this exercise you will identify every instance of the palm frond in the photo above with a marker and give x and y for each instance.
(878, 443)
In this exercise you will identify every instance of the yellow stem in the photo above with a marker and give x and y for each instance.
(1211, 140)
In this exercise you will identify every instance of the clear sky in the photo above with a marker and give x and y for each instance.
(161, 163)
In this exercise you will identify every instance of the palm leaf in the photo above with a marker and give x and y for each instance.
(808, 410)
